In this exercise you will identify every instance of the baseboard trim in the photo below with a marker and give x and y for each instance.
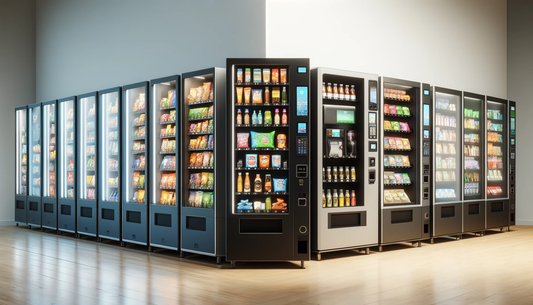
(524, 222)
(7, 222)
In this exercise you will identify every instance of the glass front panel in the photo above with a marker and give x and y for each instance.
(87, 151)
(447, 147)
(49, 153)
(35, 153)
(110, 125)
(164, 121)
(21, 153)
(134, 138)
(473, 149)
(66, 155)
(496, 150)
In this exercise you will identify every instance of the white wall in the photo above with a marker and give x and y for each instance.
(84, 46)
(520, 79)
(17, 87)
(449, 43)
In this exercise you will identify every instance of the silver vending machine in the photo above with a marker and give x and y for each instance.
(345, 209)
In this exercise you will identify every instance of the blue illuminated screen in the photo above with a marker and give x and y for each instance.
(301, 101)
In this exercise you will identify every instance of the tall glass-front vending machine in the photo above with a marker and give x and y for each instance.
(406, 161)
(164, 182)
(512, 162)
(87, 219)
(203, 180)
(21, 164)
(66, 165)
(497, 176)
(109, 132)
(345, 205)
(49, 198)
(135, 168)
(447, 156)
(35, 159)
(269, 156)
(473, 164)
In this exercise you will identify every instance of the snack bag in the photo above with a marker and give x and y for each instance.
(405, 160)
(251, 160)
(387, 125)
(398, 160)
(392, 161)
(406, 144)
(404, 126)
(386, 161)
(386, 143)
(264, 161)
(262, 139)
(210, 180)
(205, 200)
(395, 126)
(242, 140)
(399, 110)
(205, 160)
(199, 159)
(198, 199)
(205, 177)
(399, 143)
(406, 111)
(163, 182)
(257, 96)
(406, 178)
(392, 109)
(392, 143)
(192, 160)
(386, 109)
(211, 159)
(280, 185)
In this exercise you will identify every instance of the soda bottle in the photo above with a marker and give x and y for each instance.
(335, 198)
(341, 198)
(329, 199)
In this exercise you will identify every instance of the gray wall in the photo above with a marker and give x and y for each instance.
(84, 46)
(520, 80)
(17, 87)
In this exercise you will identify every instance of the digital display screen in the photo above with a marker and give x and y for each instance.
(512, 141)
(426, 92)
(373, 146)
(302, 127)
(372, 118)
(373, 95)
(426, 115)
(334, 133)
(345, 116)
(513, 124)
(302, 70)
(426, 134)
(513, 114)
(301, 101)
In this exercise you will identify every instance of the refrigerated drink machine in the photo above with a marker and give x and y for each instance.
(345, 197)
(135, 159)
(406, 161)
(497, 176)
(164, 218)
(109, 175)
(87, 218)
(269, 150)
(447, 210)
(66, 165)
(49, 214)
(35, 169)
(203, 181)
(21, 164)
(512, 163)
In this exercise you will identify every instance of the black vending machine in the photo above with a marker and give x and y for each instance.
(512, 162)
(268, 205)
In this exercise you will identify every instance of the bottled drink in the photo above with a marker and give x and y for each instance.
(268, 203)
(330, 91)
(276, 117)
(352, 93)
(267, 96)
(341, 198)
(341, 173)
(268, 183)
(347, 198)
(323, 174)
(334, 173)
(324, 94)
(239, 117)
(239, 183)
(268, 117)
(347, 173)
(353, 174)
(254, 118)
(284, 119)
(341, 92)
(258, 185)
(323, 199)
(260, 118)
(329, 172)
(284, 96)
(246, 117)
(335, 92)
(353, 199)
(247, 183)
(335, 198)
(329, 199)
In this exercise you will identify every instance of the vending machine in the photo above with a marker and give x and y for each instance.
(66, 165)
(447, 208)
(21, 165)
(203, 181)
(512, 163)
(345, 197)
(36, 166)
(109, 169)
(269, 156)
(135, 164)
(164, 221)
(406, 161)
(473, 165)
(497, 176)
(49, 198)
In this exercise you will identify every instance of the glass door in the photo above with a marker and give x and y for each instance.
(496, 149)
(447, 147)
(66, 156)
(473, 149)
(111, 147)
(35, 153)
(87, 151)
(49, 153)
(22, 153)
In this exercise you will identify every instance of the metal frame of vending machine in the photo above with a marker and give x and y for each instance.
(272, 225)
(512, 162)
(497, 174)
(473, 163)
(135, 151)
(109, 172)
(203, 121)
(21, 165)
(66, 167)
(344, 129)
(35, 189)
(49, 152)
(87, 210)
(405, 185)
(164, 158)
(447, 214)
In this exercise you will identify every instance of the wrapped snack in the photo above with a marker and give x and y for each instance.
(211, 159)
(406, 110)
(242, 140)
(192, 160)
(257, 96)
(395, 197)
(198, 199)
(406, 144)
(386, 109)
(207, 90)
(395, 126)
(386, 144)
(197, 179)
(406, 178)
(263, 139)
(205, 160)
(205, 176)
(276, 161)
(192, 180)
(203, 142)
(392, 143)
(210, 111)
(399, 143)
(399, 161)
(172, 98)
(388, 196)
(199, 93)
(387, 125)
(210, 180)
(386, 162)
(210, 126)
(392, 161)
(251, 160)
(192, 96)
(247, 92)
(264, 161)
(405, 160)
(404, 126)
(205, 200)
(199, 159)
(399, 110)
(205, 124)
(239, 95)
(206, 112)
(211, 142)
(280, 185)
(403, 196)
(392, 109)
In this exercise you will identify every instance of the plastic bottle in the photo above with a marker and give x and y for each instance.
(324, 94)
(268, 183)
(341, 198)
(254, 118)
(329, 199)
(247, 183)
(284, 96)
(354, 203)
(258, 185)
(335, 198)
(347, 198)
(239, 183)
(352, 93)
(239, 117)
(246, 117)
(323, 199)
(268, 203)
(341, 92)
(267, 95)
(284, 119)
(259, 118)
(276, 117)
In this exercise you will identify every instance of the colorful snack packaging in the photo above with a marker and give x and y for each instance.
(392, 109)
(404, 126)
(211, 159)
(283, 75)
(392, 143)
(280, 185)
(172, 98)
(399, 143)
(395, 126)
(205, 177)
(405, 160)
(257, 75)
(264, 161)
(266, 75)
(242, 140)
(275, 75)
(406, 178)
(386, 109)
(205, 161)
(198, 199)
(199, 157)
(239, 95)
(387, 125)
(399, 110)
(406, 110)
(276, 161)
(191, 180)
(257, 96)
(247, 92)
(207, 90)
(265, 140)
(398, 160)
(406, 144)
(386, 162)
(392, 161)
(251, 160)
(210, 180)
(386, 143)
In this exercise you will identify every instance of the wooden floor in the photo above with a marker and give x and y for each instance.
(44, 268)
